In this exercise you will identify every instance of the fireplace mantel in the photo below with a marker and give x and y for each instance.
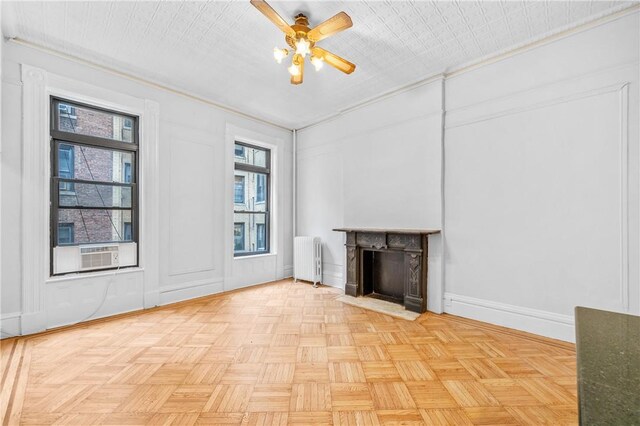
(410, 246)
(390, 231)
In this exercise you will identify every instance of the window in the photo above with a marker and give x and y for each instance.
(251, 196)
(67, 115)
(65, 233)
(93, 181)
(261, 190)
(127, 129)
(127, 231)
(126, 173)
(261, 237)
(239, 150)
(238, 196)
(66, 166)
(238, 236)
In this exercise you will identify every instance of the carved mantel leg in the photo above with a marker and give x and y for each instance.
(351, 287)
(416, 277)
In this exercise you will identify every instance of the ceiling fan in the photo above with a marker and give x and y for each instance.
(303, 39)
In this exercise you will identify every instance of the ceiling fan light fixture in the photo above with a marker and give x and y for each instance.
(317, 62)
(294, 70)
(303, 41)
(303, 47)
(280, 54)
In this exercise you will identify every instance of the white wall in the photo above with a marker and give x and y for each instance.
(193, 201)
(541, 180)
(378, 166)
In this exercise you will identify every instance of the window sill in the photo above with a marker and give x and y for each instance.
(253, 256)
(74, 276)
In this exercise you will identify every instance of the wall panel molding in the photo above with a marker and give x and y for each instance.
(35, 167)
(622, 91)
(544, 99)
(206, 237)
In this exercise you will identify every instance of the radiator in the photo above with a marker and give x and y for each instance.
(307, 259)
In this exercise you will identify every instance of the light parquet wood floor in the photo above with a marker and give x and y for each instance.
(285, 353)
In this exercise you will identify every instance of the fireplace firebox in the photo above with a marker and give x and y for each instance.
(389, 264)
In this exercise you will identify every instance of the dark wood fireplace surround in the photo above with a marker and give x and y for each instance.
(406, 253)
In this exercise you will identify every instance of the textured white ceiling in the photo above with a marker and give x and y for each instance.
(223, 51)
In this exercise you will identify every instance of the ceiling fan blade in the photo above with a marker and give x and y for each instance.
(297, 79)
(337, 23)
(273, 16)
(334, 60)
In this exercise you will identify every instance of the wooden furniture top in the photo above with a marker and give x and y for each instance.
(390, 231)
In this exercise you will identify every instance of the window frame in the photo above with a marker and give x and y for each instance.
(60, 137)
(266, 170)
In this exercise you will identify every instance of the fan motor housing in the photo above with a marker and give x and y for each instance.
(301, 27)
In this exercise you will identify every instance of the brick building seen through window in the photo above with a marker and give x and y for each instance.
(77, 161)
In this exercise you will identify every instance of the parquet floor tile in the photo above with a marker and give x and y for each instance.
(285, 354)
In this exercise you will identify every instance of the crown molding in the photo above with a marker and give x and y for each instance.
(470, 66)
(146, 81)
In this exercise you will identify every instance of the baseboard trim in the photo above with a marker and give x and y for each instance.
(333, 280)
(544, 323)
(192, 290)
(10, 325)
(33, 322)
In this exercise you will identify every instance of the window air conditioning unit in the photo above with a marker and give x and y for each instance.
(99, 257)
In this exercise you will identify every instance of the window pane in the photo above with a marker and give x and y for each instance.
(128, 231)
(65, 233)
(238, 237)
(94, 195)
(261, 237)
(238, 190)
(250, 191)
(249, 233)
(251, 155)
(92, 122)
(89, 163)
(96, 226)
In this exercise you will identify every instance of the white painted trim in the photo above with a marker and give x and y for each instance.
(37, 87)
(622, 89)
(190, 284)
(179, 294)
(255, 256)
(623, 94)
(543, 102)
(555, 89)
(536, 321)
(35, 209)
(145, 81)
(481, 62)
(294, 201)
(287, 271)
(235, 133)
(333, 279)
(453, 72)
(149, 193)
(10, 325)
(88, 275)
(543, 40)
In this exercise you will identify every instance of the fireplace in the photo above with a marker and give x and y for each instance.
(382, 275)
(388, 264)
